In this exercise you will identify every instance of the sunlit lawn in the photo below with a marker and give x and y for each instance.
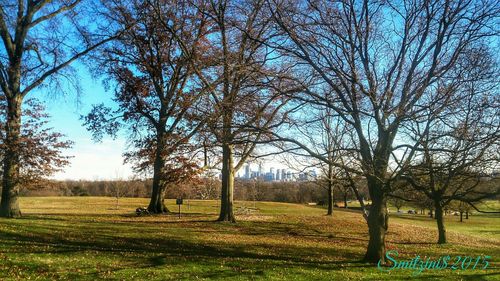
(87, 238)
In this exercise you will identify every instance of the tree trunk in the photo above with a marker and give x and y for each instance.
(226, 207)
(466, 215)
(345, 200)
(9, 206)
(461, 216)
(431, 213)
(330, 198)
(157, 204)
(440, 224)
(377, 227)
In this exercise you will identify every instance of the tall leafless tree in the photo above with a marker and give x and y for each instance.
(246, 85)
(458, 148)
(380, 59)
(325, 134)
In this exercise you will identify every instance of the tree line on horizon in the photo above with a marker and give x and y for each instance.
(313, 192)
(387, 96)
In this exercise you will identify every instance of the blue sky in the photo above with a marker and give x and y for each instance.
(91, 160)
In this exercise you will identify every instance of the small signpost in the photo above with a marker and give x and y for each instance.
(179, 203)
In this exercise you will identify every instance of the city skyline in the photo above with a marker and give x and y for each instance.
(274, 174)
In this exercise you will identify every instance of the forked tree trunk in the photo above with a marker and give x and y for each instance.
(9, 205)
(377, 227)
(226, 206)
(157, 204)
(440, 224)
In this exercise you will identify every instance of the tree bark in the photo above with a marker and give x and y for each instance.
(157, 204)
(9, 205)
(330, 200)
(330, 197)
(466, 215)
(461, 216)
(226, 208)
(345, 200)
(440, 224)
(377, 226)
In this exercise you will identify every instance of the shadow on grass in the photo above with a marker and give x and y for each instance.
(153, 250)
(80, 216)
(105, 241)
(150, 252)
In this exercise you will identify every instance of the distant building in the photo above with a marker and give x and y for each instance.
(268, 176)
(247, 171)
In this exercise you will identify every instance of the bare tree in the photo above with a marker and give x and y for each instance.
(458, 150)
(119, 187)
(245, 84)
(398, 203)
(379, 61)
(325, 134)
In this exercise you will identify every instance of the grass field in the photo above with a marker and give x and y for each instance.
(87, 238)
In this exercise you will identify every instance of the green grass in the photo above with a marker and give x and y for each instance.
(86, 238)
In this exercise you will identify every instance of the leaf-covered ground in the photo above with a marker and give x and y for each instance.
(87, 238)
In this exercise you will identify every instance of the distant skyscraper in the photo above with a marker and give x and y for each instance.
(261, 171)
(283, 174)
(247, 171)
(278, 174)
(272, 174)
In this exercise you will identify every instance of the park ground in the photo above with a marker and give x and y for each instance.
(89, 238)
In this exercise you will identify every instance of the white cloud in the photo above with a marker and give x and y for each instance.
(96, 161)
